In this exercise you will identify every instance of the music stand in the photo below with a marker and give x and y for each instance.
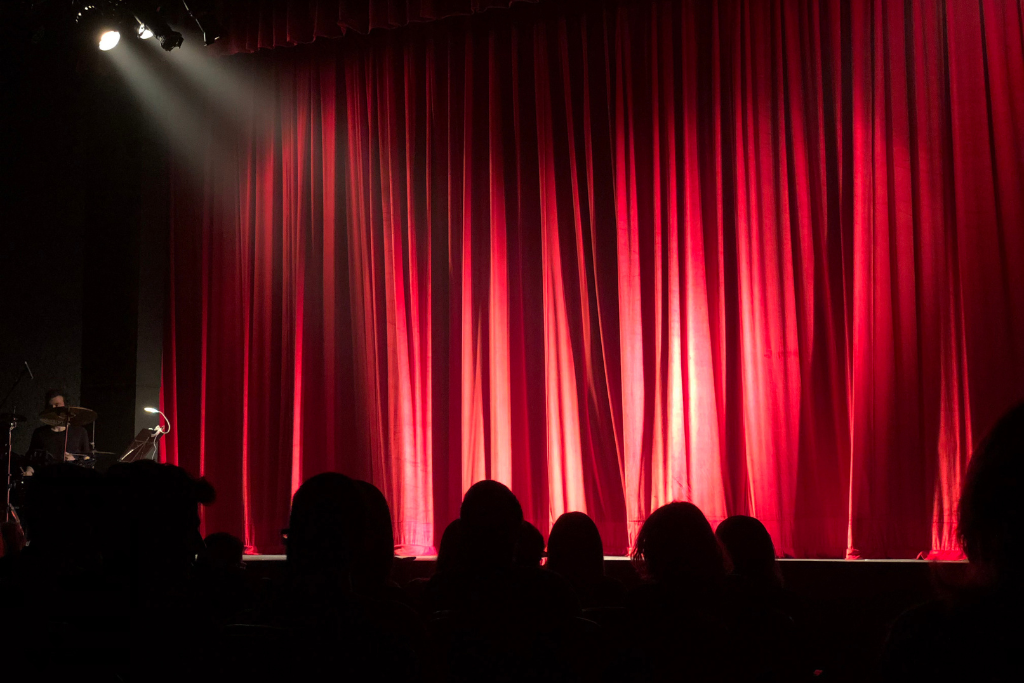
(144, 444)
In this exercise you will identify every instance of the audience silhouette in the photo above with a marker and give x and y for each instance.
(750, 550)
(450, 551)
(679, 626)
(119, 558)
(772, 619)
(323, 621)
(529, 546)
(575, 552)
(975, 633)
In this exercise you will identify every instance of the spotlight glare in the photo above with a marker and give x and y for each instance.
(144, 32)
(151, 410)
(109, 40)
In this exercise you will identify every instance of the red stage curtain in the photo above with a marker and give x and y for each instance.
(762, 256)
(253, 24)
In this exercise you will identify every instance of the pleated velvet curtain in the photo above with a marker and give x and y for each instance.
(761, 256)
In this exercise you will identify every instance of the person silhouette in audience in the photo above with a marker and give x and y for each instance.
(53, 589)
(500, 620)
(321, 624)
(110, 560)
(151, 541)
(680, 624)
(436, 593)
(750, 550)
(772, 619)
(529, 550)
(576, 553)
(975, 634)
(220, 578)
(449, 553)
(371, 569)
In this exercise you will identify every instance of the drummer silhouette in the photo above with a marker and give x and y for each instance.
(62, 437)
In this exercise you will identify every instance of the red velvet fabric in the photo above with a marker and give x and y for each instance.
(762, 256)
(253, 24)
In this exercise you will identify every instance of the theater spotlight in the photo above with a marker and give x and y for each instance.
(109, 40)
(99, 26)
(157, 26)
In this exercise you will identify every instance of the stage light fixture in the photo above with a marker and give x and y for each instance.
(109, 40)
(99, 25)
(158, 27)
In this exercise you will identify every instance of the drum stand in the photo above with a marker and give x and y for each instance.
(8, 508)
(9, 512)
(67, 431)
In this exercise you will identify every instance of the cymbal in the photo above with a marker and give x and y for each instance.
(59, 416)
(7, 418)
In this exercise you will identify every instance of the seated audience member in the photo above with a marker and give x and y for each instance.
(680, 620)
(529, 546)
(576, 553)
(52, 591)
(371, 568)
(449, 553)
(110, 560)
(151, 525)
(436, 594)
(224, 552)
(220, 578)
(691, 618)
(151, 541)
(750, 550)
(772, 619)
(502, 620)
(371, 572)
(323, 626)
(976, 634)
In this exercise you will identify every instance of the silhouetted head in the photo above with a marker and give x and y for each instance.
(326, 527)
(373, 564)
(749, 546)
(449, 552)
(491, 517)
(575, 549)
(62, 507)
(153, 516)
(991, 515)
(676, 545)
(54, 398)
(224, 550)
(529, 546)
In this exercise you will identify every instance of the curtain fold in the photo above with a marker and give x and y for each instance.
(761, 256)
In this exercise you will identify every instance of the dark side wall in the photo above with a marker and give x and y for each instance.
(81, 186)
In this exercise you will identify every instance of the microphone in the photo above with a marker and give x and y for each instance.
(33, 377)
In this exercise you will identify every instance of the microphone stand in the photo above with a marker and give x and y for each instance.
(8, 509)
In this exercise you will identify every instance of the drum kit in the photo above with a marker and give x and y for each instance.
(144, 446)
(55, 416)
